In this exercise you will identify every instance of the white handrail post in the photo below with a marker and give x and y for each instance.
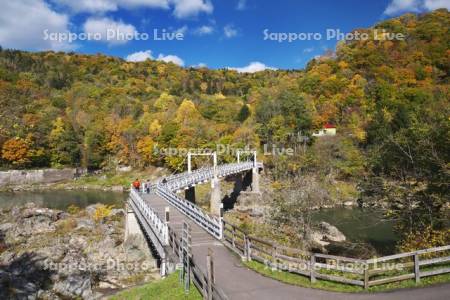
(221, 222)
(215, 163)
(189, 162)
(166, 223)
(238, 156)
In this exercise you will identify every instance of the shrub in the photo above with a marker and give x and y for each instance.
(73, 209)
(428, 238)
(102, 211)
(66, 226)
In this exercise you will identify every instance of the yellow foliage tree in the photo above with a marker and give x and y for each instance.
(145, 147)
(155, 128)
(187, 113)
(164, 102)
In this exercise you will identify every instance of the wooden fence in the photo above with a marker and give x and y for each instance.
(360, 272)
(203, 281)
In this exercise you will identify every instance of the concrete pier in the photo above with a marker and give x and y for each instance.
(216, 198)
(255, 180)
(189, 194)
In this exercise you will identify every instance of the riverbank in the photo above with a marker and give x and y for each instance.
(52, 254)
(117, 181)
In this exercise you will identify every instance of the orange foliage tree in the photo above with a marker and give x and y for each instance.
(16, 151)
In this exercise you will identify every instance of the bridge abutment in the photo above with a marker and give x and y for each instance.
(136, 239)
(132, 228)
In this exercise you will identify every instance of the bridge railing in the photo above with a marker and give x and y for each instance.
(159, 227)
(210, 224)
(185, 179)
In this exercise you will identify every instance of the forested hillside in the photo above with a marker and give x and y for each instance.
(388, 99)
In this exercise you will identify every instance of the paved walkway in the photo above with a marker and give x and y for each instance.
(239, 282)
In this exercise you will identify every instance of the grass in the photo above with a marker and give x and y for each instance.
(304, 281)
(165, 289)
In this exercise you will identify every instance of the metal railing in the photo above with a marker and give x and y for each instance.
(185, 179)
(159, 227)
(211, 224)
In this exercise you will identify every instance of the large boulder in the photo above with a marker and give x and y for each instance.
(327, 233)
(75, 286)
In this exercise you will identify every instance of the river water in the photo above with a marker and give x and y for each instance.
(361, 225)
(358, 225)
(62, 199)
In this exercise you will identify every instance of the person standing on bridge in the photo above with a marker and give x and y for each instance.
(147, 186)
(137, 184)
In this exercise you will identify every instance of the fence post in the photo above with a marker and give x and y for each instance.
(274, 255)
(209, 273)
(188, 258)
(233, 232)
(222, 225)
(366, 276)
(312, 264)
(205, 283)
(417, 267)
(245, 247)
(249, 249)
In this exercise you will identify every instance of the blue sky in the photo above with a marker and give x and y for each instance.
(216, 33)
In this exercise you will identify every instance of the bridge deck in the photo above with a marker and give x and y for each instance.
(239, 282)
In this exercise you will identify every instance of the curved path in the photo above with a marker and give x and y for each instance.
(241, 283)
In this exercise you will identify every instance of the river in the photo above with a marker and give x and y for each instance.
(62, 199)
(361, 225)
(358, 225)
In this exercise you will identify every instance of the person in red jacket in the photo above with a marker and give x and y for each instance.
(137, 184)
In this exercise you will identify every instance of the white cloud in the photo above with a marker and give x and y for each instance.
(435, 4)
(143, 3)
(191, 8)
(230, 31)
(400, 6)
(308, 50)
(110, 31)
(140, 56)
(396, 7)
(200, 65)
(253, 67)
(181, 8)
(101, 6)
(22, 25)
(88, 5)
(241, 5)
(171, 58)
(147, 54)
(182, 30)
(204, 30)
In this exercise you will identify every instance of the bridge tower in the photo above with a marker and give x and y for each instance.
(216, 198)
(255, 171)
